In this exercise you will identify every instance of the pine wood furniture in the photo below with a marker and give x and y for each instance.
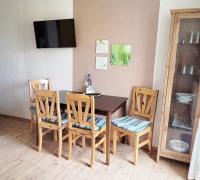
(82, 122)
(140, 121)
(41, 84)
(179, 114)
(49, 116)
(106, 106)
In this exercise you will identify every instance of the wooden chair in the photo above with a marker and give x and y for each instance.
(83, 123)
(49, 116)
(41, 84)
(140, 121)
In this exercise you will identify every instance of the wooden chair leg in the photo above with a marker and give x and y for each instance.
(136, 148)
(93, 152)
(83, 141)
(36, 135)
(55, 135)
(114, 141)
(69, 144)
(157, 157)
(150, 142)
(104, 145)
(59, 142)
(32, 123)
(73, 136)
(40, 138)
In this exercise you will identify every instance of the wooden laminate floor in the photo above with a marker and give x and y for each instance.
(20, 160)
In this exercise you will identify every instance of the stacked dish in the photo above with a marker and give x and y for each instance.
(185, 98)
(179, 145)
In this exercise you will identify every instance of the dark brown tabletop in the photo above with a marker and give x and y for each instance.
(103, 104)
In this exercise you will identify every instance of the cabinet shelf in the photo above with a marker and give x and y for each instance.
(187, 128)
(186, 75)
(181, 125)
(188, 45)
(182, 103)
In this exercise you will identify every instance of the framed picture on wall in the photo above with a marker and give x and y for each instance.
(120, 54)
(102, 46)
(102, 63)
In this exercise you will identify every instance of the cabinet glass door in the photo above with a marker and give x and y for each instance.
(185, 87)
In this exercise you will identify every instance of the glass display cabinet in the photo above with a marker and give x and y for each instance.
(181, 103)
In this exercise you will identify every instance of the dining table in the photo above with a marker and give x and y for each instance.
(105, 105)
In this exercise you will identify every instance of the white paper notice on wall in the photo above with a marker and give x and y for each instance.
(102, 46)
(102, 63)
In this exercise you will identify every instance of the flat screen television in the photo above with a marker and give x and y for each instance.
(55, 33)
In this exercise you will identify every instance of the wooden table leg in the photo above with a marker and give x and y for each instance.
(124, 114)
(124, 109)
(108, 124)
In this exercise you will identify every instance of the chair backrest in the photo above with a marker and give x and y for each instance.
(41, 84)
(79, 108)
(144, 101)
(48, 105)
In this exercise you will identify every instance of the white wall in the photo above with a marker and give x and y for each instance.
(162, 49)
(21, 60)
(12, 73)
(55, 64)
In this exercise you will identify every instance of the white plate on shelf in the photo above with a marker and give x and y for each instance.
(184, 94)
(179, 146)
(186, 101)
(184, 97)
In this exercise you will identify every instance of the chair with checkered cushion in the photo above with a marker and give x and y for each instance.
(39, 84)
(50, 117)
(139, 122)
(82, 122)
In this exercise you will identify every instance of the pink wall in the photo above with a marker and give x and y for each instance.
(121, 22)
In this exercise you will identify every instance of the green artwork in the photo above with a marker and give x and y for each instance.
(121, 55)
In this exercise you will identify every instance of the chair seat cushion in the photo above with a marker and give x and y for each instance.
(130, 123)
(55, 121)
(100, 123)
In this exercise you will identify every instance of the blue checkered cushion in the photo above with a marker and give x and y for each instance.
(55, 121)
(131, 123)
(100, 123)
(33, 110)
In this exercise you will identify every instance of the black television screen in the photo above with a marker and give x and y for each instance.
(55, 33)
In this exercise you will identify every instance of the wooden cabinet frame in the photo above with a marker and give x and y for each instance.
(177, 15)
